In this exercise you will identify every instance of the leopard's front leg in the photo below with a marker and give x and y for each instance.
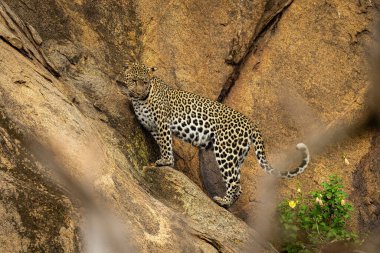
(163, 138)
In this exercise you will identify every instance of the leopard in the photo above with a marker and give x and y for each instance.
(166, 112)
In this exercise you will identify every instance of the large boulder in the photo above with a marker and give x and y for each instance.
(72, 159)
(70, 142)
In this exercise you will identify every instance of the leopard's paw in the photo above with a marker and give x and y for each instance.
(223, 202)
(164, 162)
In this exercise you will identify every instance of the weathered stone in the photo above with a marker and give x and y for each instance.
(365, 177)
(308, 76)
(89, 149)
(272, 60)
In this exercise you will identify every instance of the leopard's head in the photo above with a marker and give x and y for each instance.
(135, 80)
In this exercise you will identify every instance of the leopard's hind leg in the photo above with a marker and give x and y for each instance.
(229, 157)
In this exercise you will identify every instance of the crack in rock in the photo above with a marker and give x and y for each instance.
(267, 23)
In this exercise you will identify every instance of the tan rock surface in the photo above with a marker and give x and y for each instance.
(309, 73)
(297, 68)
(74, 153)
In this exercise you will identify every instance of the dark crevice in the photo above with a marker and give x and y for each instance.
(214, 243)
(266, 24)
(21, 50)
(369, 207)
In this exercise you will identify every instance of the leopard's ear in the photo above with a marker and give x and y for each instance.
(153, 69)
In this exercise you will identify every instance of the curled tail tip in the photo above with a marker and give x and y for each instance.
(302, 146)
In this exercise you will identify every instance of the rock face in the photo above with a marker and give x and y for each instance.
(365, 177)
(72, 149)
(28, 198)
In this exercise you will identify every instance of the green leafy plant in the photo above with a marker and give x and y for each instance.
(311, 221)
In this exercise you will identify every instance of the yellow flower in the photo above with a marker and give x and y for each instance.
(342, 202)
(292, 204)
(346, 162)
(299, 190)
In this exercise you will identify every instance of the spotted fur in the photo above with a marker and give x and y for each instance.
(200, 121)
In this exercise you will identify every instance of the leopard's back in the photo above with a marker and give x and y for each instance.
(196, 119)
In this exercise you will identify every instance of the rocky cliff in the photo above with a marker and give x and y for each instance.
(72, 153)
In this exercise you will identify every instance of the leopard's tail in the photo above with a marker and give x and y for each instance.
(260, 154)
